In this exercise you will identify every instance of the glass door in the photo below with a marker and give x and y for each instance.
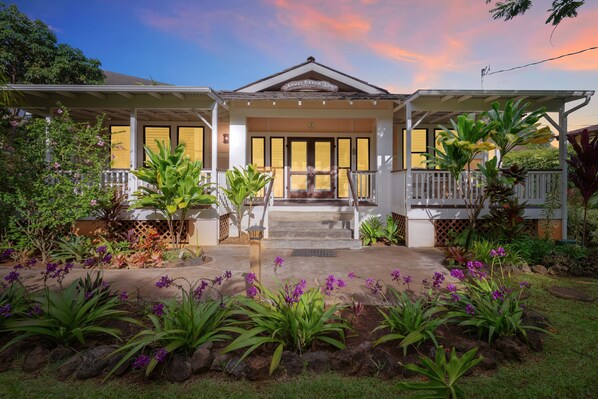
(311, 168)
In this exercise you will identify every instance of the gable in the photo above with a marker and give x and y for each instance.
(311, 76)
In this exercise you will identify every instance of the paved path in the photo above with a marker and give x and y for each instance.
(374, 262)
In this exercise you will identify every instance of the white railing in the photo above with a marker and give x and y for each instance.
(398, 180)
(354, 201)
(364, 183)
(439, 188)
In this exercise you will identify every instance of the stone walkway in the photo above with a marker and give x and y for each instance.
(374, 262)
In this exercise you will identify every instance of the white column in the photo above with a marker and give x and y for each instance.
(384, 162)
(214, 140)
(237, 140)
(133, 160)
(563, 166)
(407, 152)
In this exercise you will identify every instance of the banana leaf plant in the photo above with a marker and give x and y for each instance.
(176, 186)
(583, 170)
(244, 185)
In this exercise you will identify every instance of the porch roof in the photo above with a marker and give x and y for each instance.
(116, 101)
(439, 106)
(310, 95)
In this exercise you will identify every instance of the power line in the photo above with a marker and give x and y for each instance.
(486, 70)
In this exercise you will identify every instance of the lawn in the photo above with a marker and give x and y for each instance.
(565, 369)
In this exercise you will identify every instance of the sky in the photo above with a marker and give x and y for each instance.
(401, 45)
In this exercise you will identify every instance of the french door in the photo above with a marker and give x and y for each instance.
(311, 168)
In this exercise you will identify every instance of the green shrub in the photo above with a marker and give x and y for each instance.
(390, 232)
(531, 249)
(412, 322)
(536, 157)
(371, 230)
(71, 249)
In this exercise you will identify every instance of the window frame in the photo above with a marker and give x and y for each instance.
(404, 150)
(203, 139)
(251, 150)
(110, 131)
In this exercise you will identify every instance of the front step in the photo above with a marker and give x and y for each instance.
(310, 230)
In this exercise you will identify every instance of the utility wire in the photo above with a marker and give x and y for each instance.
(486, 70)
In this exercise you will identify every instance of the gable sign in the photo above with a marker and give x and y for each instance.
(309, 85)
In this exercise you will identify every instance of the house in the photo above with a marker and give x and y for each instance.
(341, 149)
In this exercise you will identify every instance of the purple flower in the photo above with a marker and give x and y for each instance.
(31, 262)
(228, 274)
(7, 253)
(451, 288)
(158, 309)
(524, 284)
(497, 294)
(5, 311)
(340, 283)
(476, 264)
(351, 275)
(294, 296)
(250, 278)
(395, 274)
(455, 297)
(88, 295)
(164, 282)
(437, 279)
(141, 361)
(107, 258)
(161, 355)
(123, 297)
(373, 285)
(198, 291)
(218, 280)
(329, 284)
(12, 277)
(407, 280)
(278, 261)
(105, 285)
(251, 291)
(101, 249)
(89, 262)
(469, 309)
(36, 310)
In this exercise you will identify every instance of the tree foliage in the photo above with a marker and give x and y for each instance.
(561, 9)
(30, 53)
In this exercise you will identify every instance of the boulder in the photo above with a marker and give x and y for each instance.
(202, 359)
(258, 368)
(95, 361)
(317, 361)
(510, 348)
(570, 293)
(122, 369)
(534, 340)
(382, 364)
(59, 354)
(220, 362)
(178, 368)
(7, 357)
(36, 359)
(540, 270)
(525, 269)
(236, 368)
(292, 363)
(68, 368)
(351, 360)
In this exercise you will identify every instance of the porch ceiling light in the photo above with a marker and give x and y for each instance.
(273, 102)
(225, 138)
(299, 102)
(248, 103)
(323, 102)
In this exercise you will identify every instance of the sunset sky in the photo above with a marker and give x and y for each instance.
(401, 45)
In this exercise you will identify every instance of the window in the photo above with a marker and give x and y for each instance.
(151, 134)
(277, 164)
(120, 140)
(419, 147)
(344, 163)
(258, 151)
(363, 163)
(193, 138)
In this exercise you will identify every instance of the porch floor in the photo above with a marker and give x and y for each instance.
(375, 262)
(318, 202)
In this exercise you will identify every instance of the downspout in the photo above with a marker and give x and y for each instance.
(563, 161)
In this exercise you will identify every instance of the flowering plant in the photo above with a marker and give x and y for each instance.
(180, 325)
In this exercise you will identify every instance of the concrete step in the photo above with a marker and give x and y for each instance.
(309, 225)
(284, 243)
(292, 233)
(306, 216)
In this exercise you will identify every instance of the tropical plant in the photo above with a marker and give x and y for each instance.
(457, 256)
(289, 319)
(14, 302)
(68, 316)
(72, 248)
(390, 232)
(371, 230)
(180, 326)
(243, 185)
(109, 211)
(583, 171)
(409, 321)
(442, 375)
(176, 186)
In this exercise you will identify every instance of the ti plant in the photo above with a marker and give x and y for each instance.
(244, 185)
(371, 230)
(176, 186)
(442, 375)
(583, 171)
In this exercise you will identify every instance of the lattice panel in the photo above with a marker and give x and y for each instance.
(444, 228)
(402, 222)
(223, 227)
(140, 227)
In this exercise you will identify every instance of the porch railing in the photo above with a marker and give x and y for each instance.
(354, 201)
(364, 183)
(439, 188)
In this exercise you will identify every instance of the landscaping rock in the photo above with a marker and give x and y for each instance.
(220, 362)
(488, 363)
(7, 357)
(236, 368)
(178, 368)
(532, 318)
(461, 343)
(525, 269)
(94, 361)
(59, 354)
(570, 293)
(292, 363)
(534, 340)
(69, 366)
(351, 360)
(258, 368)
(202, 359)
(122, 369)
(509, 348)
(381, 364)
(36, 359)
(540, 270)
(317, 361)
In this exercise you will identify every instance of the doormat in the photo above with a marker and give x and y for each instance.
(314, 252)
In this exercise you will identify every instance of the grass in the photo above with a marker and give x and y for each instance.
(565, 369)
